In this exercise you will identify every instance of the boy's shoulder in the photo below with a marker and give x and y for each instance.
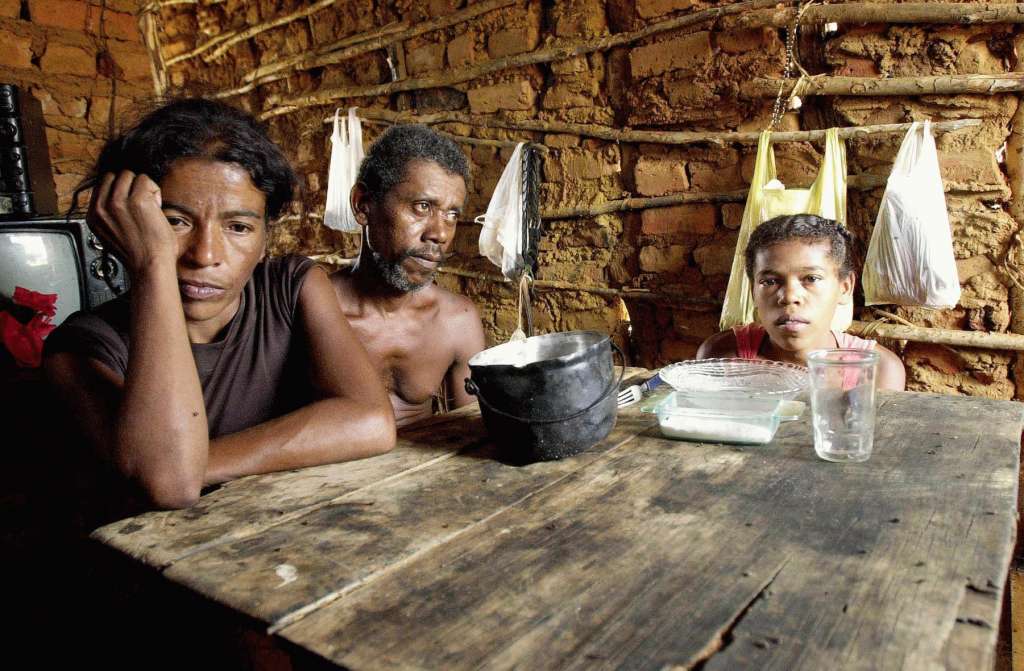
(891, 373)
(720, 345)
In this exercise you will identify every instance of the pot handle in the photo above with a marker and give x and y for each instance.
(472, 389)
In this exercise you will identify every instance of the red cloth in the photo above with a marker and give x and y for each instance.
(25, 341)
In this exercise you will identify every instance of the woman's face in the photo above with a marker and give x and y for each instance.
(220, 219)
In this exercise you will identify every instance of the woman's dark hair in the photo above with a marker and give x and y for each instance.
(398, 146)
(196, 127)
(805, 228)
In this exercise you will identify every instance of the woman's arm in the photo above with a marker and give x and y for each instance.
(353, 419)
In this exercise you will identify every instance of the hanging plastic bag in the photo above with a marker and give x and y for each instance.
(346, 156)
(769, 198)
(910, 257)
(501, 239)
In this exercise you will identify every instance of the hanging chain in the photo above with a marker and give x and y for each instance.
(782, 103)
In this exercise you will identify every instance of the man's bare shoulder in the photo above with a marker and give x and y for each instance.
(454, 307)
(717, 346)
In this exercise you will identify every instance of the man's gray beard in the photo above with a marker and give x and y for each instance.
(395, 276)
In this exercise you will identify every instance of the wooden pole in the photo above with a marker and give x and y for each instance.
(887, 13)
(980, 339)
(823, 85)
(354, 46)
(151, 40)
(553, 285)
(644, 136)
(221, 43)
(858, 182)
(546, 55)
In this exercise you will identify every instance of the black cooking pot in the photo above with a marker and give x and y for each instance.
(549, 396)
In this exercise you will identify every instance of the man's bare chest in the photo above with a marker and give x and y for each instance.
(412, 357)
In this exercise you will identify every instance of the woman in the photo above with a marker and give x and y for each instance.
(219, 362)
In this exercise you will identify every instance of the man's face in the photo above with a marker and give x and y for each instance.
(410, 229)
(796, 290)
(219, 218)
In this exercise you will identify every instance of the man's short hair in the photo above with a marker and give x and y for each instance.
(390, 155)
(808, 228)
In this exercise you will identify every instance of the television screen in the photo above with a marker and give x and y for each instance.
(45, 261)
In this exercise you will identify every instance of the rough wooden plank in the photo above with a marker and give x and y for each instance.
(294, 567)
(660, 554)
(245, 507)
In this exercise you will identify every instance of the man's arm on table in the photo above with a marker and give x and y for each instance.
(467, 334)
(352, 419)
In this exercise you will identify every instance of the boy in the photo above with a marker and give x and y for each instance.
(800, 269)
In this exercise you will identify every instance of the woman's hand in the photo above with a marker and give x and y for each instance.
(125, 212)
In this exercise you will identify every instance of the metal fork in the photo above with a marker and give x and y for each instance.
(634, 393)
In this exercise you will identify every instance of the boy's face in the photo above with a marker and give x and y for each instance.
(796, 290)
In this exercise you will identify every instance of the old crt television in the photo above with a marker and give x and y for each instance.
(58, 256)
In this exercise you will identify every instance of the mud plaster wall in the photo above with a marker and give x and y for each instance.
(678, 80)
(75, 57)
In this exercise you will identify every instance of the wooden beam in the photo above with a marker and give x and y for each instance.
(887, 13)
(354, 46)
(823, 85)
(980, 339)
(643, 136)
(221, 43)
(561, 52)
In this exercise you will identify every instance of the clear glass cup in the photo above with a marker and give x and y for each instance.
(843, 403)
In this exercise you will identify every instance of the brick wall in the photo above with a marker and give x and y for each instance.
(80, 60)
(686, 79)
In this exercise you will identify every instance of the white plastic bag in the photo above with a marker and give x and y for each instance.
(346, 155)
(910, 257)
(501, 239)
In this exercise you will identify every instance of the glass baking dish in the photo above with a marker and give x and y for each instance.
(749, 421)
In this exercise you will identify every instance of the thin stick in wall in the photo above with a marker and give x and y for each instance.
(971, 13)
(822, 85)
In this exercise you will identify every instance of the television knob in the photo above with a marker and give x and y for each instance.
(94, 242)
(104, 268)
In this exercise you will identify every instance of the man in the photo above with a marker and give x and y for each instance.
(408, 197)
(219, 362)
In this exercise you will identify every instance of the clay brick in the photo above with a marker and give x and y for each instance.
(660, 260)
(658, 176)
(687, 93)
(66, 59)
(697, 325)
(462, 50)
(689, 52)
(714, 177)
(559, 141)
(732, 215)
(119, 25)
(972, 170)
(715, 259)
(515, 95)
(697, 219)
(68, 14)
(858, 67)
(583, 164)
(577, 93)
(570, 66)
(742, 41)
(10, 8)
(968, 268)
(584, 17)
(17, 50)
(132, 59)
(515, 40)
(425, 58)
(649, 8)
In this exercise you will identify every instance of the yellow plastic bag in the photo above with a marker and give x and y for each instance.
(769, 198)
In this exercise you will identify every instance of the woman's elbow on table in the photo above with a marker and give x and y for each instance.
(167, 485)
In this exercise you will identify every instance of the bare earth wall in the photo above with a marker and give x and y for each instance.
(683, 79)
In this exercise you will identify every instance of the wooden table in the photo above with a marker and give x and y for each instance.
(641, 553)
